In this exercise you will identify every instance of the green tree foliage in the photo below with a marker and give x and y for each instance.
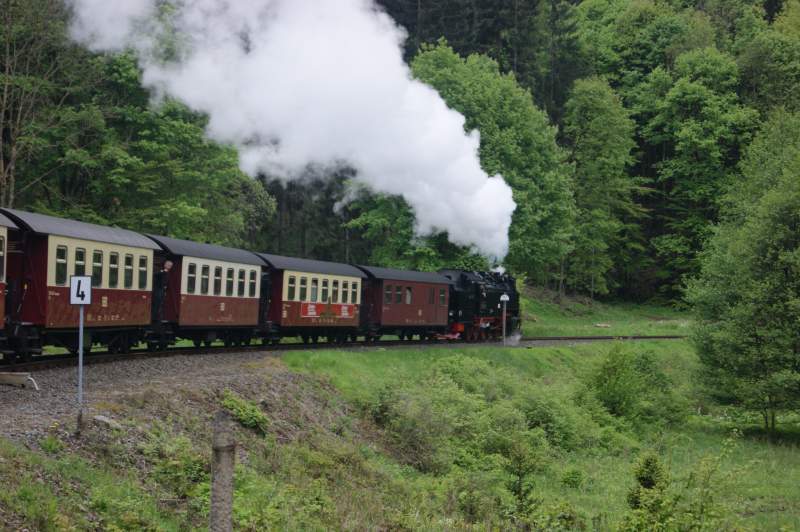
(770, 65)
(517, 142)
(694, 128)
(81, 139)
(747, 297)
(599, 134)
(387, 223)
(41, 74)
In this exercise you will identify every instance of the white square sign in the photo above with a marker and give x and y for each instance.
(80, 290)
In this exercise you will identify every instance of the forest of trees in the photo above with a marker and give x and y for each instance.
(621, 126)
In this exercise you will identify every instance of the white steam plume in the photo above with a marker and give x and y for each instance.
(294, 83)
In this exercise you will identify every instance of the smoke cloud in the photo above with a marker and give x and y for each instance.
(293, 83)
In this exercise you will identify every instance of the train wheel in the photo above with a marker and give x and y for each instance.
(197, 343)
(305, 338)
(228, 341)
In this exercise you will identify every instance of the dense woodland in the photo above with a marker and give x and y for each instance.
(620, 125)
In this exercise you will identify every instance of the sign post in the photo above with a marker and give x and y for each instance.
(80, 293)
(504, 298)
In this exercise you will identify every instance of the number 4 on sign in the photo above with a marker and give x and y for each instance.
(80, 290)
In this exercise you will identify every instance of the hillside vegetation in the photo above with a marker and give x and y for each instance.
(432, 438)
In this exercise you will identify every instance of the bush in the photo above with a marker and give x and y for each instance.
(248, 414)
(632, 386)
(51, 444)
(573, 478)
(176, 465)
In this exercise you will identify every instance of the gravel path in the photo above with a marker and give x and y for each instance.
(25, 414)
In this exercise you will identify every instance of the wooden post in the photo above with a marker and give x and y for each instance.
(223, 447)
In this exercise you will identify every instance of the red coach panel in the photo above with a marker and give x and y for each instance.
(108, 308)
(209, 310)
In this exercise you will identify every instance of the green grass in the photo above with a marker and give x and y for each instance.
(69, 493)
(543, 318)
(756, 486)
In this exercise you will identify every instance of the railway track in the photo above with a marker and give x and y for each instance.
(57, 361)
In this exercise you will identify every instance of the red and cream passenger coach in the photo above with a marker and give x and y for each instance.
(312, 298)
(211, 291)
(53, 249)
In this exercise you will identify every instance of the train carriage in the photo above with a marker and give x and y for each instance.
(313, 299)
(53, 249)
(212, 292)
(405, 303)
(6, 225)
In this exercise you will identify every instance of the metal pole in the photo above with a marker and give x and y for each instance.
(80, 361)
(504, 323)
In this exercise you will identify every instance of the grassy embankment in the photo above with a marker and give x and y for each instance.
(543, 317)
(433, 438)
(754, 487)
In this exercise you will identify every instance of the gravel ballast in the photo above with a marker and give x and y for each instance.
(27, 413)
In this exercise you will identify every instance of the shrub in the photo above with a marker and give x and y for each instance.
(632, 386)
(51, 444)
(176, 465)
(573, 478)
(247, 413)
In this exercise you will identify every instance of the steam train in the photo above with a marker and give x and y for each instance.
(213, 293)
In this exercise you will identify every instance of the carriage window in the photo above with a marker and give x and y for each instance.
(217, 280)
(142, 272)
(408, 295)
(431, 296)
(387, 294)
(335, 292)
(128, 271)
(354, 293)
(324, 290)
(97, 268)
(303, 288)
(61, 265)
(80, 261)
(2, 258)
(442, 296)
(398, 294)
(292, 288)
(241, 283)
(252, 283)
(113, 270)
(314, 289)
(345, 286)
(229, 283)
(191, 278)
(204, 273)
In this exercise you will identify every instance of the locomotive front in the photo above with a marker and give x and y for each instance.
(476, 309)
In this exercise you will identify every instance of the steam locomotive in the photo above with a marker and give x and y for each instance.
(157, 290)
